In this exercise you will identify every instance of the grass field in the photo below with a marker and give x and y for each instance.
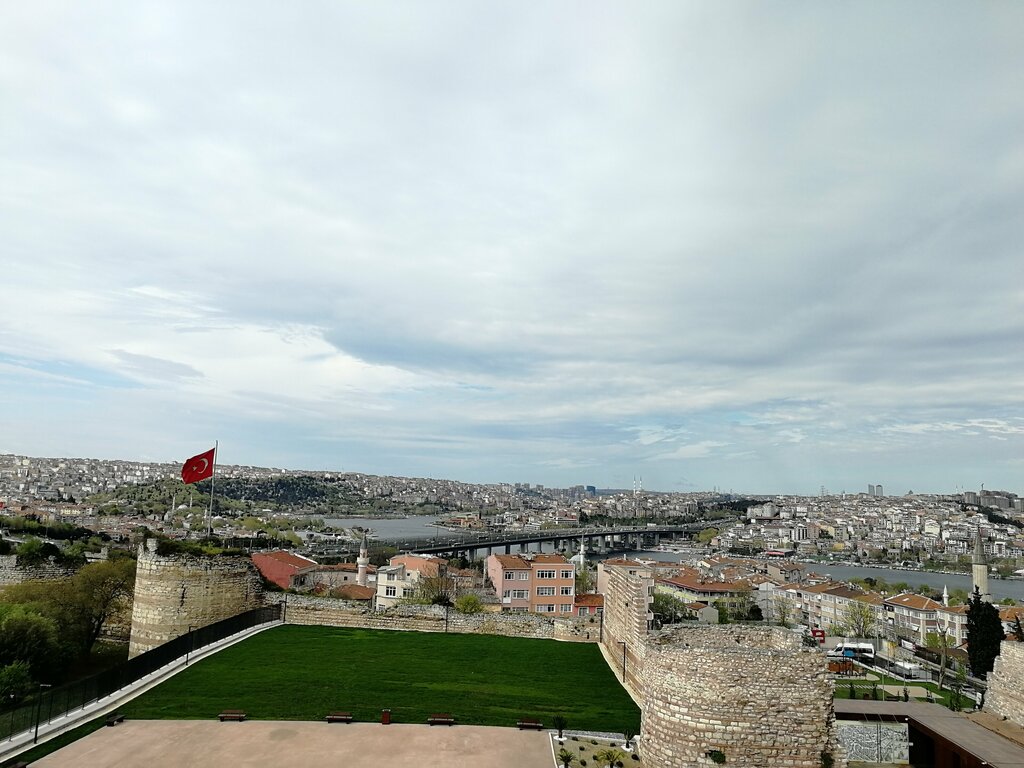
(301, 673)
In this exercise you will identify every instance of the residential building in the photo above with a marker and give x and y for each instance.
(539, 583)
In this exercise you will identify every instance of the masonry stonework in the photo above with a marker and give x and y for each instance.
(13, 573)
(751, 693)
(331, 612)
(173, 593)
(1005, 696)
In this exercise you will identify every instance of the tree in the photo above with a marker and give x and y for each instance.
(438, 590)
(29, 638)
(559, 722)
(705, 536)
(609, 756)
(940, 642)
(984, 633)
(81, 604)
(565, 757)
(668, 608)
(783, 610)
(584, 580)
(468, 603)
(15, 682)
(859, 618)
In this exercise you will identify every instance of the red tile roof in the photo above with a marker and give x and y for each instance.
(596, 601)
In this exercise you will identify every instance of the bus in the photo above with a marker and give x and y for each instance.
(857, 651)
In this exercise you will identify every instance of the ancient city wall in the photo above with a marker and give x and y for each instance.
(330, 612)
(173, 593)
(750, 692)
(12, 573)
(626, 620)
(1005, 695)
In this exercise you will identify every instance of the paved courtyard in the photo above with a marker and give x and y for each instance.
(210, 744)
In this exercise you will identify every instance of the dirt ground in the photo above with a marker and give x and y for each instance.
(209, 744)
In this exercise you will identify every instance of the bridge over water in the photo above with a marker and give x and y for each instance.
(606, 539)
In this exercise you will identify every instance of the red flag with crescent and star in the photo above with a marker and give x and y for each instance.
(198, 468)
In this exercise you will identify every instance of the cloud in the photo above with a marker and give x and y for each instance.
(453, 240)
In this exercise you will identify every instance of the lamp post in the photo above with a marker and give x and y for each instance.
(39, 710)
(190, 641)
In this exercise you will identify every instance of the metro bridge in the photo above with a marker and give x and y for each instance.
(600, 540)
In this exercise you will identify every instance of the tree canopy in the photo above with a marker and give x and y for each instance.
(984, 633)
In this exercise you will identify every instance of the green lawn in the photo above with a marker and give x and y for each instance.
(301, 673)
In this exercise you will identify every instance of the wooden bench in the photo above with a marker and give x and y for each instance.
(339, 717)
(528, 723)
(440, 718)
(115, 718)
(231, 714)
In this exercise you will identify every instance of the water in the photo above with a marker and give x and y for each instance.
(390, 528)
(999, 588)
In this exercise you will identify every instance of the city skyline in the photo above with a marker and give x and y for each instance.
(765, 251)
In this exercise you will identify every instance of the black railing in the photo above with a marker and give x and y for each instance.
(54, 702)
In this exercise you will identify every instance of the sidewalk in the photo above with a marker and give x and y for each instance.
(69, 720)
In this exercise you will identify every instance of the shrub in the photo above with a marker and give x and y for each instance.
(827, 761)
(636, 756)
(468, 603)
(717, 756)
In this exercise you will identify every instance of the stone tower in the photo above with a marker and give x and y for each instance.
(979, 568)
(362, 562)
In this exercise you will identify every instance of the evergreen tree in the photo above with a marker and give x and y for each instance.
(984, 633)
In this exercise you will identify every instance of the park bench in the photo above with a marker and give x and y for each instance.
(890, 697)
(440, 718)
(231, 714)
(528, 723)
(115, 718)
(339, 717)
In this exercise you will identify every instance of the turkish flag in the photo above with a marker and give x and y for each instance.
(198, 467)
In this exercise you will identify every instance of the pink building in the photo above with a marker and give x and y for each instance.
(539, 583)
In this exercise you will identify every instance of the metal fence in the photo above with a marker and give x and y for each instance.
(54, 702)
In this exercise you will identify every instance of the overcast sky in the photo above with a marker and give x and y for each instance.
(760, 246)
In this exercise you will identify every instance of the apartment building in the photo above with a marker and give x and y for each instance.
(540, 583)
(400, 577)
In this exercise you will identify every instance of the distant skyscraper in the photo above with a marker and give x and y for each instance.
(871, 490)
(878, 491)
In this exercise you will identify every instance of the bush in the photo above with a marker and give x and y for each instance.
(717, 756)
(636, 756)
(469, 603)
(15, 681)
(583, 762)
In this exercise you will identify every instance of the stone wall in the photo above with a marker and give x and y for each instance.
(1005, 695)
(12, 573)
(173, 593)
(751, 692)
(331, 612)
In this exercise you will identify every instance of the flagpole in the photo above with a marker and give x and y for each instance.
(209, 514)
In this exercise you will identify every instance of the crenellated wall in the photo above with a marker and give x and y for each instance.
(1005, 695)
(173, 593)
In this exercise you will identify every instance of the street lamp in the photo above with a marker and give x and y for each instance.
(39, 709)
(190, 641)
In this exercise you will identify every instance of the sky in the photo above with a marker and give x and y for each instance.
(760, 247)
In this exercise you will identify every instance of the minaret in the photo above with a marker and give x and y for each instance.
(979, 568)
(362, 561)
(945, 596)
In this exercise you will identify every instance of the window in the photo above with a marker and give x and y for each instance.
(524, 576)
(390, 591)
(566, 607)
(506, 593)
(545, 574)
(520, 594)
(545, 609)
(566, 590)
(509, 575)
(568, 574)
(545, 591)
(391, 576)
